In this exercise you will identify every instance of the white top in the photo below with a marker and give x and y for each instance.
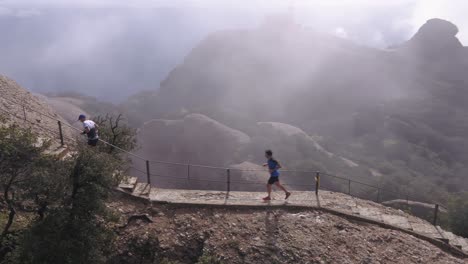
(89, 124)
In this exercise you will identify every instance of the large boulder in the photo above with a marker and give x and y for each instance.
(195, 139)
(289, 141)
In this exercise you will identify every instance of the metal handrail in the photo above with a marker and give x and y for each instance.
(149, 174)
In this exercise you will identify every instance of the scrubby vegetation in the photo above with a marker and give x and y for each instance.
(458, 214)
(53, 211)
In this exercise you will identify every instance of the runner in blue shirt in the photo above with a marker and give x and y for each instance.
(273, 167)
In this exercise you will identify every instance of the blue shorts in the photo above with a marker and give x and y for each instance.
(273, 179)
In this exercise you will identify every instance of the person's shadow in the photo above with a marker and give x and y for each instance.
(272, 230)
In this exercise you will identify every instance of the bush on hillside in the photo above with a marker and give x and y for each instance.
(76, 231)
(458, 214)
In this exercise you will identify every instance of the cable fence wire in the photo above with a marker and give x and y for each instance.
(207, 177)
(54, 133)
(366, 192)
(193, 176)
(333, 183)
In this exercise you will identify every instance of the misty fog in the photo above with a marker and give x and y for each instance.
(111, 50)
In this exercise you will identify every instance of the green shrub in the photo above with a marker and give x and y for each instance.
(458, 214)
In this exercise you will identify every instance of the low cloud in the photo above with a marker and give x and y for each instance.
(113, 48)
(5, 11)
(340, 32)
(20, 13)
(28, 12)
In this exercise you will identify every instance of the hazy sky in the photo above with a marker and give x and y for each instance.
(113, 48)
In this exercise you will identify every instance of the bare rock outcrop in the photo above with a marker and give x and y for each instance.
(20, 106)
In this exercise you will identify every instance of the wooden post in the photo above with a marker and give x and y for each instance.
(317, 182)
(436, 212)
(148, 174)
(60, 132)
(378, 195)
(228, 180)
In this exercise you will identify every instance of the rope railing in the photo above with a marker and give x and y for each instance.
(315, 181)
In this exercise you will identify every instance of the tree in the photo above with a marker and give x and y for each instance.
(30, 180)
(113, 129)
(458, 214)
(76, 231)
(20, 155)
(47, 186)
(68, 195)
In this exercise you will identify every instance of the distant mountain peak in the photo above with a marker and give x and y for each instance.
(435, 36)
(437, 28)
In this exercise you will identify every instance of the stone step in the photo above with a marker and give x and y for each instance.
(64, 154)
(141, 189)
(69, 154)
(57, 150)
(153, 194)
(128, 183)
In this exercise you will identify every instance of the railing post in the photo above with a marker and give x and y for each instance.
(317, 182)
(228, 180)
(349, 187)
(378, 195)
(148, 174)
(188, 172)
(60, 132)
(436, 212)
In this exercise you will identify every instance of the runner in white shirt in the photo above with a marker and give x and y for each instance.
(90, 129)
